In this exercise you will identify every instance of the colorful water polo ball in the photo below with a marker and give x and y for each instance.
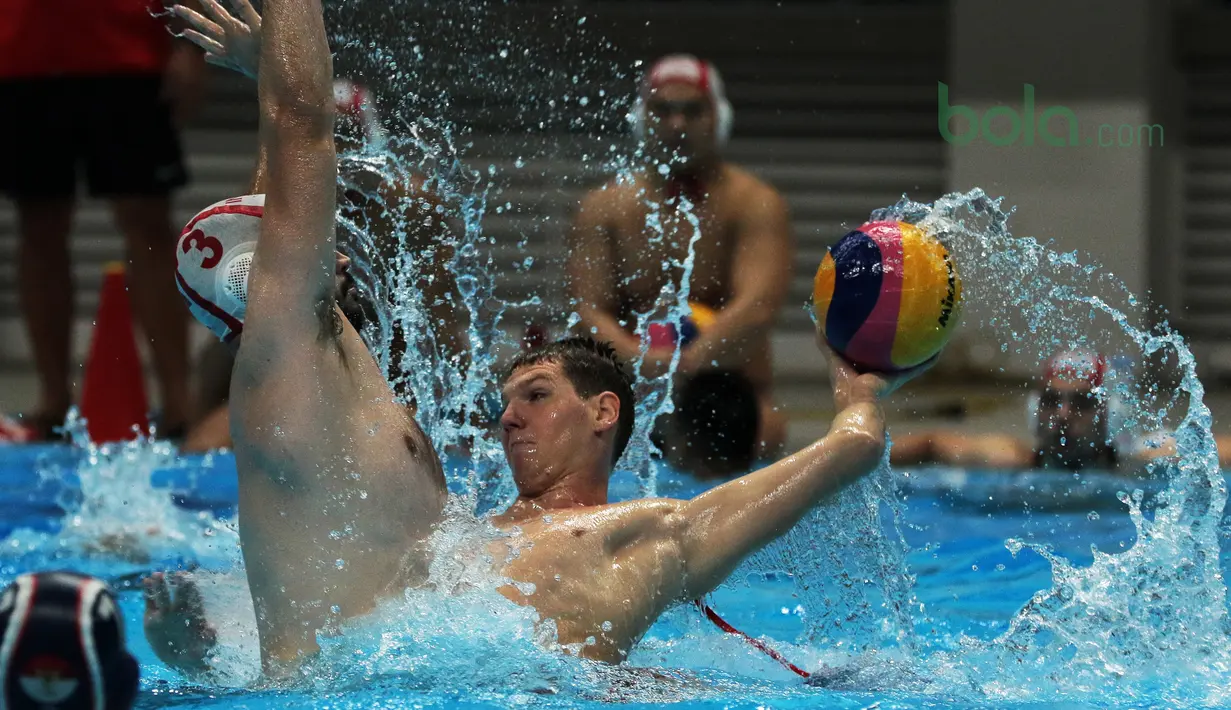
(887, 296)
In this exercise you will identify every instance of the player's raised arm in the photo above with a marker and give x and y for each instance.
(719, 528)
(293, 274)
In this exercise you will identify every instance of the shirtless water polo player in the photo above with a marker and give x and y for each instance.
(320, 446)
(743, 255)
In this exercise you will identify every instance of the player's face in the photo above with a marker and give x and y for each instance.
(1071, 420)
(680, 124)
(544, 427)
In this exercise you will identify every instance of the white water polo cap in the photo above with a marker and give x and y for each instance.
(212, 259)
(685, 69)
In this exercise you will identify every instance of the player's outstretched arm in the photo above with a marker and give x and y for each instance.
(718, 529)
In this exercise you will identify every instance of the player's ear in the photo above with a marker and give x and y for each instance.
(606, 411)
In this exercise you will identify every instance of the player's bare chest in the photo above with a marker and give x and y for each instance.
(655, 247)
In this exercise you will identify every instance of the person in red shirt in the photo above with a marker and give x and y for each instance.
(101, 87)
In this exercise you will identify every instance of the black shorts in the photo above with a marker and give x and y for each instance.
(117, 130)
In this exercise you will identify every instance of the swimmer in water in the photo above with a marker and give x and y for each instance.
(1071, 430)
(320, 447)
(743, 258)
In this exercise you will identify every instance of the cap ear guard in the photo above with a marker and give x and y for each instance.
(724, 116)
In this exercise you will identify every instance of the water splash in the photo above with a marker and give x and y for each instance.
(449, 76)
(112, 511)
(654, 395)
(1157, 612)
(444, 363)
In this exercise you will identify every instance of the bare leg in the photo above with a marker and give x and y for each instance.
(146, 224)
(46, 286)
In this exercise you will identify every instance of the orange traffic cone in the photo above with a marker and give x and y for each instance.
(113, 396)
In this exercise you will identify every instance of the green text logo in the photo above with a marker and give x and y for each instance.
(1023, 126)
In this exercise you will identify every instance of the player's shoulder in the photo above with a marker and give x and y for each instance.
(751, 188)
(614, 189)
(612, 197)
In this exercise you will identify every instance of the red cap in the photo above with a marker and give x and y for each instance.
(683, 69)
(1077, 365)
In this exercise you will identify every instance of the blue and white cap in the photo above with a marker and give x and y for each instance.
(62, 645)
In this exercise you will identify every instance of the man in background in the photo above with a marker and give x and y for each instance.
(625, 231)
(102, 88)
(1071, 431)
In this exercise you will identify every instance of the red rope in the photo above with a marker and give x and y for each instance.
(722, 624)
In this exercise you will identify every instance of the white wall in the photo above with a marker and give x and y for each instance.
(1095, 57)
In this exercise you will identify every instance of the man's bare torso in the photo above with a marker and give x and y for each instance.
(604, 574)
(338, 487)
(640, 248)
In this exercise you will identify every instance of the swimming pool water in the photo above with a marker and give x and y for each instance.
(967, 586)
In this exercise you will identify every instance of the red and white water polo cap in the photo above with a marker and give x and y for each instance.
(687, 69)
(212, 260)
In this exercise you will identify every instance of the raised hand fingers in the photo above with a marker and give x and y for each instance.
(246, 13)
(222, 15)
(211, 46)
(202, 23)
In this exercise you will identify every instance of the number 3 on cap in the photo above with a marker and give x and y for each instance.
(197, 240)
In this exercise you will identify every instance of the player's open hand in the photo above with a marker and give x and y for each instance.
(851, 386)
(175, 623)
(229, 40)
